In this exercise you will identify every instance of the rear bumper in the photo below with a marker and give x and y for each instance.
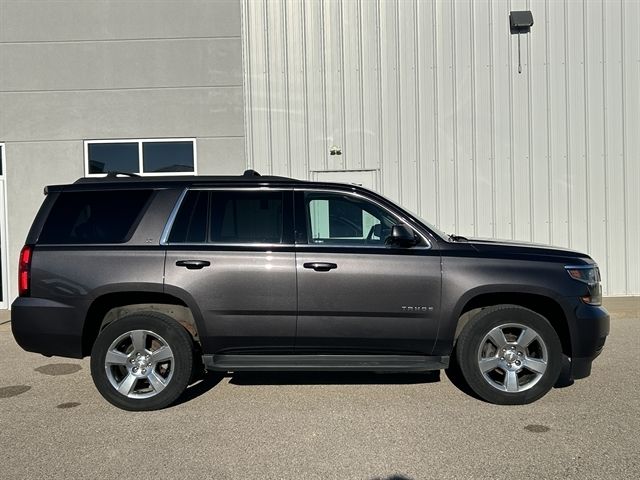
(589, 329)
(46, 327)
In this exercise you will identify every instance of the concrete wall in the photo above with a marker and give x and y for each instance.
(427, 94)
(72, 70)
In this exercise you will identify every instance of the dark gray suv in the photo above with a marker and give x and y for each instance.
(160, 278)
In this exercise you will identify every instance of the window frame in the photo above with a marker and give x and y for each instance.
(302, 223)
(287, 219)
(140, 142)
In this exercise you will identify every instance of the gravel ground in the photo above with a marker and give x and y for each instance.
(54, 424)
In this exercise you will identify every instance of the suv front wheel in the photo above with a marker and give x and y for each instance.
(142, 362)
(509, 355)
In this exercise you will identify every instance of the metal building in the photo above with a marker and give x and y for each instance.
(418, 99)
(424, 101)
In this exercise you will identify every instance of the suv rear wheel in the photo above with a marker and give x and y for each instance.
(142, 362)
(509, 355)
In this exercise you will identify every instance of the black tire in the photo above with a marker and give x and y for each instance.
(509, 355)
(152, 380)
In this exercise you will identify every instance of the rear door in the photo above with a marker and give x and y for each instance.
(355, 294)
(231, 252)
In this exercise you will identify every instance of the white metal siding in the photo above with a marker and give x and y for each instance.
(428, 93)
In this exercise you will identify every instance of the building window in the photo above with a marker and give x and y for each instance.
(174, 156)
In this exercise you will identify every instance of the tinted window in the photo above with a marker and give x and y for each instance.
(338, 219)
(94, 217)
(190, 225)
(167, 157)
(246, 217)
(229, 217)
(113, 157)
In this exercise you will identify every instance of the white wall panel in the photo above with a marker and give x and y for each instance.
(428, 93)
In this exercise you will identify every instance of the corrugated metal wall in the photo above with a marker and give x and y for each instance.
(428, 93)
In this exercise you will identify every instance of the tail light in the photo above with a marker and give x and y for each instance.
(24, 271)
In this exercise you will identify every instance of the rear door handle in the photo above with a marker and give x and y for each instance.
(193, 264)
(320, 266)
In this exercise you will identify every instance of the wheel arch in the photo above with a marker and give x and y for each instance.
(540, 302)
(108, 307)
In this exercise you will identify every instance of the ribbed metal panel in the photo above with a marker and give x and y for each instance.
(428, 94)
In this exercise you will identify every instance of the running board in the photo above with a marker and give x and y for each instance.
(386, 363)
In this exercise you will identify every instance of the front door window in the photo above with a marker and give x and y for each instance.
(342, 219)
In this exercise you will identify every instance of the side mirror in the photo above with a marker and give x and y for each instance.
(401, 235)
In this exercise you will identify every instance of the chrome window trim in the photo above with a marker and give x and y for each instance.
(244, 189)
(274, 246)
(387, 248)
(375, 202)
(170, 221)
(172, 218)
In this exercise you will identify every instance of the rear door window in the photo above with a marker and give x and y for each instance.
(108, 216)
(233, 217)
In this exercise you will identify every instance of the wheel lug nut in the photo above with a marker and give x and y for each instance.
(519, 354)
(135, 369)
(144, 371)
(518, 362)
(504, 349)
(501, 358)
(513, 348)
(509, 365)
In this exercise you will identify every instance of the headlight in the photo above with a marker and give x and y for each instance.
(584, 273)
(589, 274)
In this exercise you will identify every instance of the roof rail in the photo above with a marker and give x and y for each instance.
(250, 173)
(115, 173)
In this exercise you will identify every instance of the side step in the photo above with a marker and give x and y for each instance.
(385, 363)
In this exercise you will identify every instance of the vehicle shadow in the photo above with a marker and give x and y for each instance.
(210, 379)
(332, 378)
(200, 387)
(393, 477)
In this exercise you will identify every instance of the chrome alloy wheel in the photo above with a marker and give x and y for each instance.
(512, 357)
(139, 364)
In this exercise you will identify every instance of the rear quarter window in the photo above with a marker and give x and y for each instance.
(109, 216)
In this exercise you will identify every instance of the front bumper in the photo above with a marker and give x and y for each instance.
(589, 327)
(46, 327)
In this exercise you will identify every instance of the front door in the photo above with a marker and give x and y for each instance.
(355, 294)
(232, 252)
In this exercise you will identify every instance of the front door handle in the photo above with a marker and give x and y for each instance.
(320, 266)
(193, 264)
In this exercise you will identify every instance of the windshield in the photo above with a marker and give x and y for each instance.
(427, 224)
(415, 217)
